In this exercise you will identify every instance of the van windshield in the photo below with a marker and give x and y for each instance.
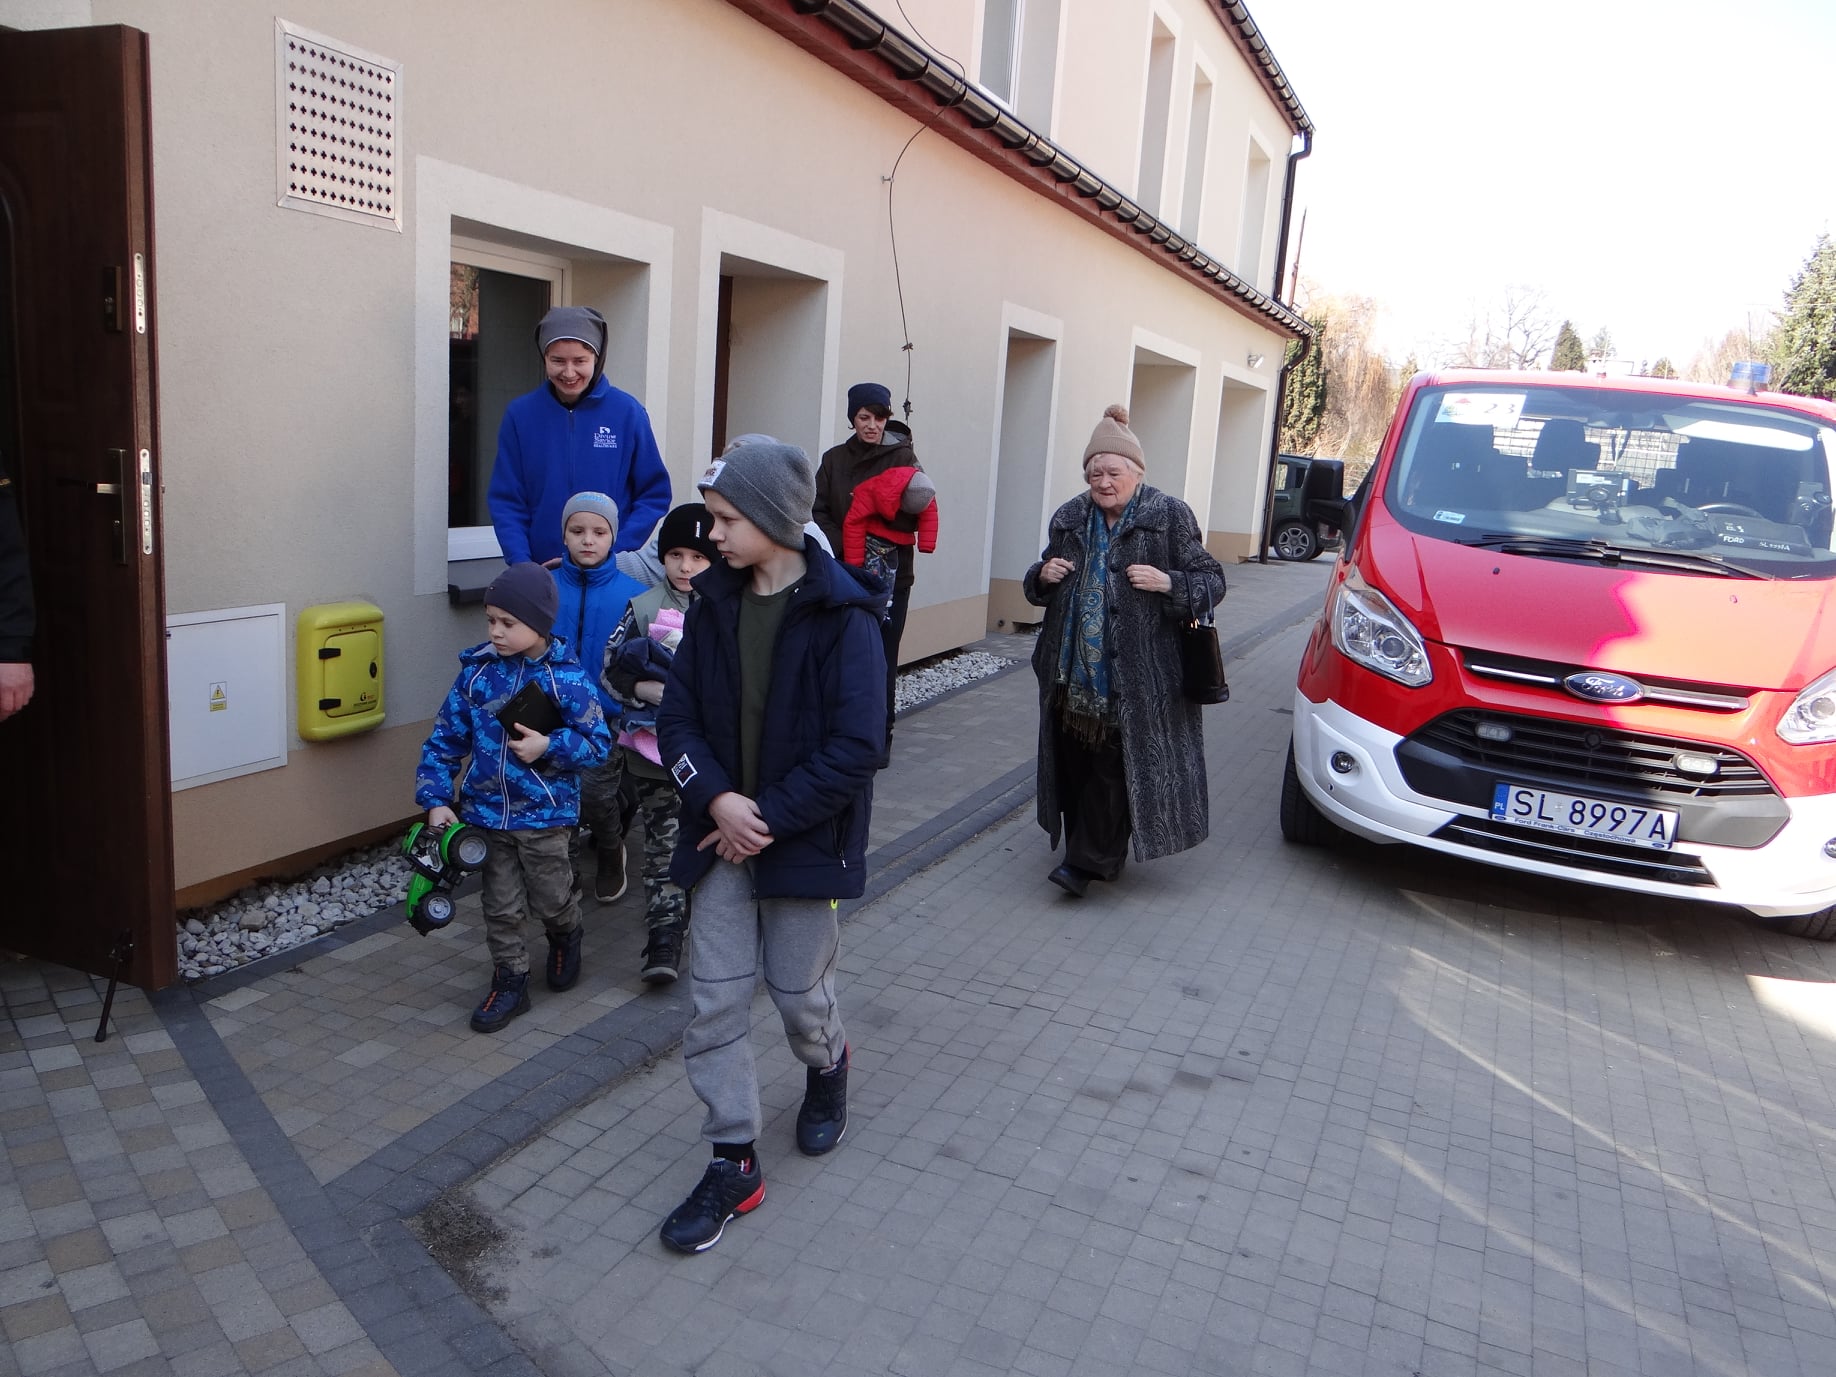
(1693, 486)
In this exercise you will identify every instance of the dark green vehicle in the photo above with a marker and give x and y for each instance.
(1291, 536)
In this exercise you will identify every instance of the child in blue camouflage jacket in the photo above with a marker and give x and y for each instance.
(524, 790)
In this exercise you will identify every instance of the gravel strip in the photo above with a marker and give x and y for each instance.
(273, 916)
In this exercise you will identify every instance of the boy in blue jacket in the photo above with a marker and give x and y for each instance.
(594, 595)
(522, 787)
(771, 726)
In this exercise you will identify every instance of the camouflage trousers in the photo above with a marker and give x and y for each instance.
(665, 906)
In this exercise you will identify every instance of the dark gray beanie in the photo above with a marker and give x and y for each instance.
(595, 502)
(772, 484)
(572, 322)
(528, 593)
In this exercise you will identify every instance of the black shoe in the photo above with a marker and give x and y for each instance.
(726, 1189)
(662, 957)
(563, 967)
(609, 880)
(1070, 879)
(507, 997)
(824, 1116)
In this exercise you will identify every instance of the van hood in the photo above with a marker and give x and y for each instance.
(1743, 633)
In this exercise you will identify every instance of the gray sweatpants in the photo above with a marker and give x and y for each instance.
(729, 928)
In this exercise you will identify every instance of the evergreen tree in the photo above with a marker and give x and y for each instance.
(1569, 356)
(1805, 352)
(1602, 346)
(1303, 405)
(1664, 368)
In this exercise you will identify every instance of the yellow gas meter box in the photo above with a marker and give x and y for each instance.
(339, 660)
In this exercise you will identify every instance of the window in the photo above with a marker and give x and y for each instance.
(1154, 117)
(1255, 215)
(1198, 138)
(1001, 47)
(497, 296)
(1019, 64)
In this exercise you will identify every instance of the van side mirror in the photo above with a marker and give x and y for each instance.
(1323, 494)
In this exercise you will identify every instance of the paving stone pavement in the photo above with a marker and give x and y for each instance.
(1252, 1110)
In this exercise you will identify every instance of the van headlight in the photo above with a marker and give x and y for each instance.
(1811, 718)
(1368, 630)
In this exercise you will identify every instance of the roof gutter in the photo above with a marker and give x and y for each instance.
(1306, 340)
(1022, 151)
(1256, 50)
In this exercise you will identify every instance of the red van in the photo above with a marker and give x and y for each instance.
(1586, 627)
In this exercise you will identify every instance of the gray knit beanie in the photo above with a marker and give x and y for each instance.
(773, 486)
(528, 593)
(595, 502)
(581, 323)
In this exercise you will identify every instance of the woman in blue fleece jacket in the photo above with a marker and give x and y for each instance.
(574, 433)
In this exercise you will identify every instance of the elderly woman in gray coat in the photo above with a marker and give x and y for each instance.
(1121, 750)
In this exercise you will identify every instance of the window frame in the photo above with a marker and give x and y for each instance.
(480, 542)
(1016, 34)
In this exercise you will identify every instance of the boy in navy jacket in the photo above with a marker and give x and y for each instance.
(522, 786)
(771, 726)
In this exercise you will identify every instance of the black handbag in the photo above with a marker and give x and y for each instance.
(1201, 663)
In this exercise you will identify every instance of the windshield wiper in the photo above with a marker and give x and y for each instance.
(1606, 552)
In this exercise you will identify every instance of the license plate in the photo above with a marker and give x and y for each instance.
(1576, 816)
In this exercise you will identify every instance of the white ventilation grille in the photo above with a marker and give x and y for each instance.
(338, 116)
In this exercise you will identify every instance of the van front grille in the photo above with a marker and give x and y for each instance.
(1605, 858)
(1584, 758)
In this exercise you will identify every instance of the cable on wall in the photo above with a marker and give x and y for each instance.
(892, 232)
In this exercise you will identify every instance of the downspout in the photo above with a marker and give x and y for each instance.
(1306, 342)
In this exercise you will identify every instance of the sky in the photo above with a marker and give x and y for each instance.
(1657, 168)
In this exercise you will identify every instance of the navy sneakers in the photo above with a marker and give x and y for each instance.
(726, 1189)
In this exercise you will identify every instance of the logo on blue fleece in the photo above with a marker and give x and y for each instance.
(605, 438)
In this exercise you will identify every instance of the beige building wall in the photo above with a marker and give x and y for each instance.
(656, 146)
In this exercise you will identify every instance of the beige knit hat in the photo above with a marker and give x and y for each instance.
(1112, 436)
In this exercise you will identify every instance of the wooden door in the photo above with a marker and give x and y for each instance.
(85, 793)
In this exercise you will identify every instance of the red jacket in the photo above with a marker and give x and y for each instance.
(876, 503)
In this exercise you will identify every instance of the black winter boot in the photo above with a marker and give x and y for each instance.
(824, 1116)
(563, 967)
(507, 997)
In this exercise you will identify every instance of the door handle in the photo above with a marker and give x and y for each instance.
(121, 490)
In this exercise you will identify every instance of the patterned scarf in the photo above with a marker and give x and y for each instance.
(1084, 706)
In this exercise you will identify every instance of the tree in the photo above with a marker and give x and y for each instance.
(1664, 368)
(1805, 344)
(1602, 345)
(1569, 355)
(1512, 332)
(1303, 404)
(1714, 361)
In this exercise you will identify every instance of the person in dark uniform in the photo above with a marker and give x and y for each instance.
(17, 617)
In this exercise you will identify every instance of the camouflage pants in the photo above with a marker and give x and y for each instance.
(665, 906)
(526, 876)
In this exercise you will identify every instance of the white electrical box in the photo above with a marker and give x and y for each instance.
(226, 678)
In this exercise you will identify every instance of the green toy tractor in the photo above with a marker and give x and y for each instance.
(441, 857)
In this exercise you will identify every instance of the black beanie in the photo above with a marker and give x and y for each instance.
(686, 528)
(876, 395)
(528, 593)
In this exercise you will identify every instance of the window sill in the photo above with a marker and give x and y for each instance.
(467, 579)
